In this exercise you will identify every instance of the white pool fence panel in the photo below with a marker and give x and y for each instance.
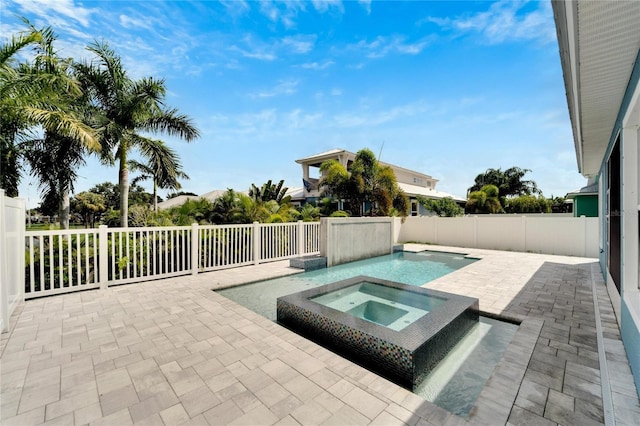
(548, 234)
(63, 261)
(12, 217)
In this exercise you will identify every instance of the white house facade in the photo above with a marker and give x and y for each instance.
(599, 48)
(413, 183)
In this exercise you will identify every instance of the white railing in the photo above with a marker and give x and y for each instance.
(142, 254)
(227, 246)
(60, 261)
(64, 261)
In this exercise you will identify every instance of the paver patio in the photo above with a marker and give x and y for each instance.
(174, 352)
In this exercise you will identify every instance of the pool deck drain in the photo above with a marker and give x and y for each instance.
(172, 352)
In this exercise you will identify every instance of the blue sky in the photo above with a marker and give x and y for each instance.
(450, 87)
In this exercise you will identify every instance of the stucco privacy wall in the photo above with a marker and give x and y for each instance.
(347, 239)
(569, 236)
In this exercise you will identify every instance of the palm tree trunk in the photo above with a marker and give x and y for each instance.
(155, 196)
(123, 182)
(63, 210)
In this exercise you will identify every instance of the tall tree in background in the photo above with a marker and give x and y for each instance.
(510, 182)
(89, 206)
(35, 94)
(128, 107)
(163, 168)
(55, 158)
(366, 184)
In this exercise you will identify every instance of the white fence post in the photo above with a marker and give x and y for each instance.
(103, 256)
(4, 296)
(256, 243)
(301, 238)
(195, 248)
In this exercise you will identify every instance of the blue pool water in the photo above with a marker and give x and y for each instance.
(459, 378)
(404, 267)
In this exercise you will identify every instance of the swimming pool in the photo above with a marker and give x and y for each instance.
(459, 378)
(404, 267)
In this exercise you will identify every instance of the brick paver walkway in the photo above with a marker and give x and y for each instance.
(174, 352)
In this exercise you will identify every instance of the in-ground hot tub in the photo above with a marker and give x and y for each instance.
(397, 330)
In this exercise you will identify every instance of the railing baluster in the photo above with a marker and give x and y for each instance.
(32, 278)
(78, 261)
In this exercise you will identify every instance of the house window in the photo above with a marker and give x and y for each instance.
(414, 208)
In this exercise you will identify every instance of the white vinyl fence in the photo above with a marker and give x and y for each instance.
(63, 261)
(548, 234)
(12, 216)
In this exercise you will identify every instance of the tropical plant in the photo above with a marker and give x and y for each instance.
(486, 200)
(367, 185)
(126, 108)
(443, 207)
(42, 93)
(510, 182)
(528, 204)
(54, 161)
(179, 193)
(270, 191)
(89, 206)
(309, 213)
(191, 211)
(559, 205)
(163, 168)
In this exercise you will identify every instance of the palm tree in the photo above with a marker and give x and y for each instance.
(368, 183)
(486, 200)
(163, 168)
(270, 191)
(54, 159)
(38, 94)
(128, 107)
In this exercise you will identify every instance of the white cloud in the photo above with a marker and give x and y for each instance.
(366, 4)
(284, 11)
(317, 66)
(325, 5)
(284, 87)
(336, 92)
(296, 119)
(505, 20)
(47, 9)
(235, 7)
(255, 50)
(130, 22)
(368, 119)
(382, 46)
(299, 43)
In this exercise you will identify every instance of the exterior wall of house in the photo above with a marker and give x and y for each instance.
(413, 178)
(345, 158)
(585, 205)
(627, 301)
